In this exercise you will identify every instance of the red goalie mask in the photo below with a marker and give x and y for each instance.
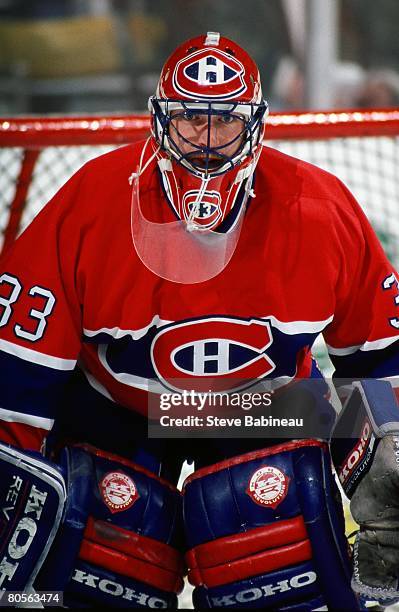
(208, 119)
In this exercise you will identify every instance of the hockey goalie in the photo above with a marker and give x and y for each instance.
(199, 253)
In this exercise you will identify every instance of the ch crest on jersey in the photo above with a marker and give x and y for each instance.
(214, 69)
(208, 211)
(228, 351)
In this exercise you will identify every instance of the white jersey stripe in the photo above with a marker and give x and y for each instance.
(117, 332)
(287, 327)
(28, 354)
(341, 352)
(374, 345)
(299, 327)
(27, 419)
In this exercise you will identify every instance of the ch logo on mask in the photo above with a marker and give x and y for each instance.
(207, 212)
(220, 73)
(210, 70)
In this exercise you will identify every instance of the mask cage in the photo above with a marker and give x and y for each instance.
(252, 115)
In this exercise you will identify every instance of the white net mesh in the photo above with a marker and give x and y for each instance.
(10, 165)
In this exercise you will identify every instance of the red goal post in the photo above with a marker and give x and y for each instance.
(37, 155)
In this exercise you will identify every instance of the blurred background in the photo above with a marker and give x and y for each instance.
(78, 56)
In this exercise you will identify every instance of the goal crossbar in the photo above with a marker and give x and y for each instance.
(37, 132)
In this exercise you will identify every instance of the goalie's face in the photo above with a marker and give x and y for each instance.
(207, 140)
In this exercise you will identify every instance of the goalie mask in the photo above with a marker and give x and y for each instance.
(207, 124)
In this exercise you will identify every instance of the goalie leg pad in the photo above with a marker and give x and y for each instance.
(266, 592)
(32, 497)
(126, 522)
(264, 530)
(90, 583)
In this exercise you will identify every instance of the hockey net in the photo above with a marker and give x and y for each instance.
(37, 155)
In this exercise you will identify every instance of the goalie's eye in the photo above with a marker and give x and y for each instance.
(227, 118)
(190, 116)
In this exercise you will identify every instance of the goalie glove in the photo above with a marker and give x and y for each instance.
(365, 451)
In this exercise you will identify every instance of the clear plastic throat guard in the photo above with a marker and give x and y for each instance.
(178, 254)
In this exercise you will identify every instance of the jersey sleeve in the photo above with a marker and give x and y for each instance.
(40, 319)
(363, 338)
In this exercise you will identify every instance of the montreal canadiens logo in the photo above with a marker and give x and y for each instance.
(118, 491)
(208, 211)
(268, 486)
(229, 351)
(214, 69)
